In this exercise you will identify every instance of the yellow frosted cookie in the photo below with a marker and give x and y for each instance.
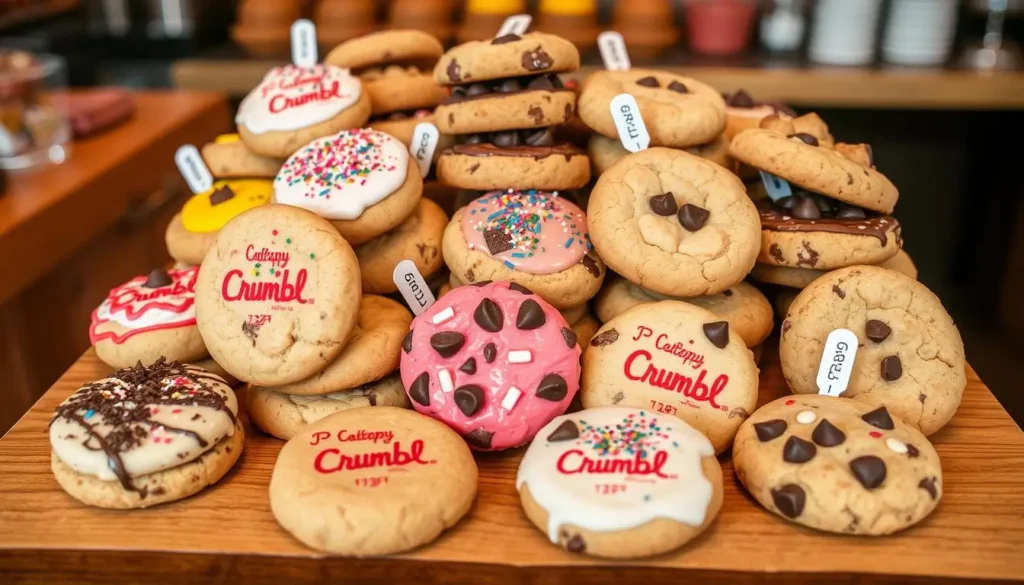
(210, 210)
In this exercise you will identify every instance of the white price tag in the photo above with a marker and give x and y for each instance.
(193, 169)
(837, 362)
(776, 187)
(613, 51)
(632, 132)
(517, 24)
(423, 144)
(412, 286)
(304, 53)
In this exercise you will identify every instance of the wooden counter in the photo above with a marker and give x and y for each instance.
(227, 534)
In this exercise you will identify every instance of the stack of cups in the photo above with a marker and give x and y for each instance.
(920, 32)
(844, 32)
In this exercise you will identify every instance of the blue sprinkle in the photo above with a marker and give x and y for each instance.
(647, 497)
(568, 242)
(509, 265)
(518, 255)
(89, 413)
(495, 214)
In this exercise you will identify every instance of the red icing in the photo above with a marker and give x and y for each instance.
(132, 301)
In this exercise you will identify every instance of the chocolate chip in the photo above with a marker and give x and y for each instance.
(789, 499)
(879, 418)
(420, 389)
(488, 316)
(503, 39)
(827, 435)
(497, 241)
(222, 194)
(648, 81)
(472, 139)
(824, 204)
(786, 202)
(505, 138)
(477, 89)
(876, 330)
(727, 292)
(717, 333)
(482, 283)
(454, 72)
(569, 336)
(469, 367)
(693, 217)
(740, 99)
(478, 438)
(850, 212)
(806, 208)
(531, 315)
(576, 544)
(552, 387)
(678, 87)
(490, 352)
(157, 278)
(591, 265)
(770, 429)
(805, 138)
(564, 432)
(838, 291)
(892, 368)
(797, 450)
(912, 451)
(541, 82)
(606, 338)
(447, 343)
(469, 398)
(928, 485)
(519, 288)
(869, 471)
(537, 114)
(509, 86)
(536, 60)
(664, 204)
(539, 137)
(407, 341)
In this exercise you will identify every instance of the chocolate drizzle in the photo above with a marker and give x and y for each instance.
(779, 220)
(535, 152)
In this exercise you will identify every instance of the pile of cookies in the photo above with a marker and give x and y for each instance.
(637, 304)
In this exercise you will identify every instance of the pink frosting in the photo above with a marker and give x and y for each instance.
(533, 231)
(554, 354)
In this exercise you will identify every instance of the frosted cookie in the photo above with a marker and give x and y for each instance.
(418, 238)
(744, 307)
(145, 436)
(228, 158)
(533, 238)
(372, 481)
(370, 353)
(494, 362)
(677, 359)
(838, 465)
(294, 105)
(910, 357)
(605, 152)
(620, 482)
(677, 111)
(278, 295)
(285, 415)
(674, 223)
(571, 314)
(360, 180)
(191, 233)
(147, 318)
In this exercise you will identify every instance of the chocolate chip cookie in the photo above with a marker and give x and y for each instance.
(507, 56)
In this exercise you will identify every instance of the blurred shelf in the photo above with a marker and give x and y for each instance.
(36, 11)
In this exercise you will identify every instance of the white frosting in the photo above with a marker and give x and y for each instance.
(136, 307)
(149, 318)
(291, 97)
(338, 177)
(673, 487)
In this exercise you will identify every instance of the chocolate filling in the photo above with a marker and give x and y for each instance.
(535, 152)
(782, 216)
(507, 86)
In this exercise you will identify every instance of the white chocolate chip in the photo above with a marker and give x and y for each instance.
(511, 398)
(445, 378)
(520, 356)
(443, 315)
(806, 417)
(895, 445)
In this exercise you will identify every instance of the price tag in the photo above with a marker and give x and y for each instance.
(613, 51)
(837, 362)
(777, 187)
(517, 24)
(423, 144)
(412, 286)
(303, 33)
(632, 132)
(193, 169)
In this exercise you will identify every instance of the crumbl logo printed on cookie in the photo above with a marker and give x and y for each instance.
(413, 287)
(630, 125)
(423, 144)
(193, 169)
(348, 435)
(613, 51)
(141, 305)
(291, 97)
(517, 24)
(836, 364)
(697, 387)
(346, 450)
(303, 37)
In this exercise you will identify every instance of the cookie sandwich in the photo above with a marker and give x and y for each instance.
(145, 435)
(505, 99)
(191, 233)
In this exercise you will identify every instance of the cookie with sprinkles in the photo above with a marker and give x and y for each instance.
(145, 435)
(535, 239)
(360, 180)
(620, 482)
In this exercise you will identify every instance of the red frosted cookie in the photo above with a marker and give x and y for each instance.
(493, 361)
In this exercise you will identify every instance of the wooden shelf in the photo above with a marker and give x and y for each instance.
(36, 11)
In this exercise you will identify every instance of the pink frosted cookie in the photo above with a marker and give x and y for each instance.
(493, 361)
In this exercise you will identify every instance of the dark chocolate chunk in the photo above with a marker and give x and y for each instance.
(503, 39)
(482, 283)
(805, 138)
(879, 418)
(157, 278)
(876, 330)
(789, 499)
(519, 288)
(539, 137)
(576, 544)
(478, 438)
(850, 212)
(869, 471)
(537, 114)
(447, 343)
(505, 138)
(797, 450)
(477, 89)
(454, 72)
(912, 451)
(420, 389)
(564, 432)
(827, 435)
(221, 194)
(569, 336)
(555, 80)
(472, 139)
(536, 60)
(892, 368)
(606, 338)
(590, 264)
(497, 241)
(806, 208)
(649, 81)
(678, 87)
(469, 367)
(824, 204)
(541, 82)
(490, 352)
(770, 429)
(717, 333)
(693, 217)
(407, 341)
(552, 387)
(664, 204)
(488, 316)
(740, 99)
(469, 398)
(838, 291)
(786, 202)
(531, 315)
(928, 485)
(509, 86)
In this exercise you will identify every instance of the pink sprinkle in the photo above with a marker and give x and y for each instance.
(167, 439)
(154, 410)
(790, 402)
(176, 411)
(875, 434)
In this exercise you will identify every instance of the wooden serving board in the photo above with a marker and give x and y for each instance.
(227, 534)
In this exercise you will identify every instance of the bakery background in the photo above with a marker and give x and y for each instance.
(934, 85)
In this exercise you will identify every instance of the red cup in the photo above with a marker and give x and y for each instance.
(719, 27)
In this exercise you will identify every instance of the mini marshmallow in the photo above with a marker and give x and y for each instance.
(511, 398)
(520, 356)
(443, 315)
(895, 445)
(445, 378)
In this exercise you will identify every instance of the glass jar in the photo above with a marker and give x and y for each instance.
(34, 125)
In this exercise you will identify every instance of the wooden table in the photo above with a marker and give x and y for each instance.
(227, 534)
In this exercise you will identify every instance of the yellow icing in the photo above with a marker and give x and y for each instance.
(503, 7)
(201, 217)
(226, 139)
(568, 7)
